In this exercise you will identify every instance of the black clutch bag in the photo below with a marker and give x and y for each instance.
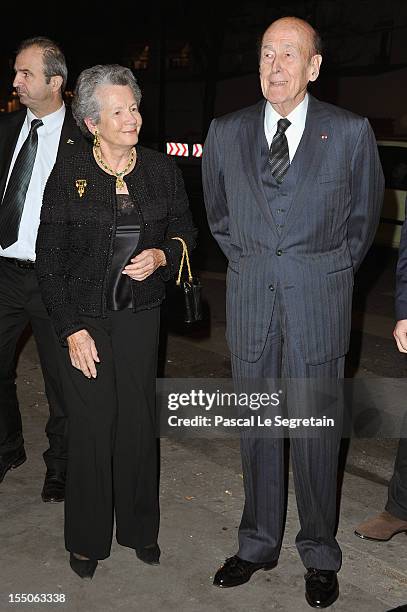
(190, 288)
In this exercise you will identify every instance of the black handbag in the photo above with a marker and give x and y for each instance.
(191, 288)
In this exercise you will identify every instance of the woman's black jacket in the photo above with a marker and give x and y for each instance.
(76, 234)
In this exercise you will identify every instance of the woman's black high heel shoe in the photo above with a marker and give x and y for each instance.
(85, 568)
(149, 554)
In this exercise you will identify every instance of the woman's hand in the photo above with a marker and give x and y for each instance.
(145, 264)
(83, 353)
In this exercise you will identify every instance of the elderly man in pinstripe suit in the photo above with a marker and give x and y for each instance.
(293, 189)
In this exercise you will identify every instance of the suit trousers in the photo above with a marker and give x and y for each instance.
(314, 461)
(112, 444)
(20, 304)
(397, 495)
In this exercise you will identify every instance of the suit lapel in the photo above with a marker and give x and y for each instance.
(311, 152)
(251, 145)
(8, 140)
(70, 138)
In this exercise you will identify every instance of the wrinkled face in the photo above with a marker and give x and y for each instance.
(287, 63)
(30, 83)
(120, 120)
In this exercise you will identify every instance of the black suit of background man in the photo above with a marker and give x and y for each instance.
(39, 81)
(393, 519)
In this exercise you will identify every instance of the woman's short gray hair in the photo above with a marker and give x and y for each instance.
(85, 103)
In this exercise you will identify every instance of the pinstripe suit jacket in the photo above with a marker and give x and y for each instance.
(328, 230)
(401, 274)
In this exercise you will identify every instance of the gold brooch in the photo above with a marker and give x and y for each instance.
(80, 185)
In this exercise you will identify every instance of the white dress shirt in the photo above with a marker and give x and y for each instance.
(294, 132)
(48, 141)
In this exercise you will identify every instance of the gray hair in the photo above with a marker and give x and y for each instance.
(85, 103)
(52, 57)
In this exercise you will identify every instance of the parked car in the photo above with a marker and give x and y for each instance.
(393, 155)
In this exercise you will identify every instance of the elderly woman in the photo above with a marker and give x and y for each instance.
(105, 249)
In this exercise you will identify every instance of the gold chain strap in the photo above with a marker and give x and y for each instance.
(185, 256)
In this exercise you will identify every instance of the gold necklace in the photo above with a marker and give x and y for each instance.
(118, 175)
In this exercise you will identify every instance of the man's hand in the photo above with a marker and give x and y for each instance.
(83, 353)
(145, 264)
(400, 335)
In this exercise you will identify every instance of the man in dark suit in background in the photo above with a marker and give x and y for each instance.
(293, 189)
(393, 519)
(30, 141)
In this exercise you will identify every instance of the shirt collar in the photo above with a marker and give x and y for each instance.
(51, 122)
(296, 117)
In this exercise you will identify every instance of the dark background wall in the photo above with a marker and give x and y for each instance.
(195, 60)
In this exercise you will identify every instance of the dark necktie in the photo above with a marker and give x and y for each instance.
(12, 205)
(279, 158)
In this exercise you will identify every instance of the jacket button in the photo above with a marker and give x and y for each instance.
(271, 287)
(279, 252)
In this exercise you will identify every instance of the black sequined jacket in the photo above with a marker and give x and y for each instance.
(76, 234)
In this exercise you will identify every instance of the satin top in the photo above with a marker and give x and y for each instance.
(126, 239)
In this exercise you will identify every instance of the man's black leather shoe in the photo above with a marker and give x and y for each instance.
(54, 487)
(10, 461)
(237, 571)
(321, 587)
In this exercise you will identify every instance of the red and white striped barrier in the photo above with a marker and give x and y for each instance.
(177, 148)
(181, 149)
(197, 150)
